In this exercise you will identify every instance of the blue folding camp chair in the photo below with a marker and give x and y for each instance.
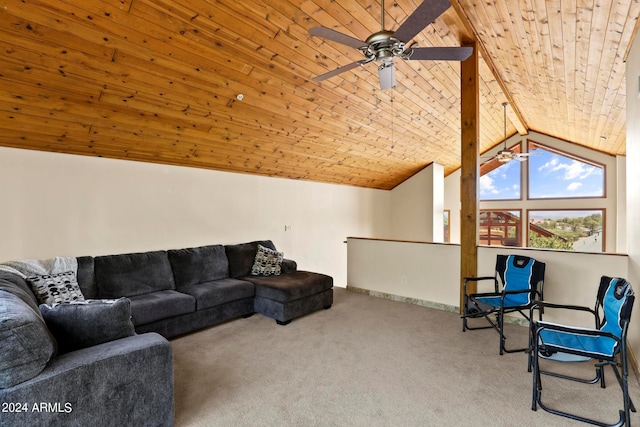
(522, 280)
(604, 343)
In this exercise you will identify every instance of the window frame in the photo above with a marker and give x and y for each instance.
(446, 238)
(559, 152)
(519, 227)
(604, 222)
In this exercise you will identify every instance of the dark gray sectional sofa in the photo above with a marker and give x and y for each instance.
(128, 381)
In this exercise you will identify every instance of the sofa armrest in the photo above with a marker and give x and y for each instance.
(128, 381)
(288, 266)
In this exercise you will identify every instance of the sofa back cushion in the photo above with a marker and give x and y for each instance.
(192, 266)
(242, 256)
(26, 346)
(133, 274)
(86, 277)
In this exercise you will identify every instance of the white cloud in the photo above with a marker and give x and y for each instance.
(574, 186)
(551, 164)
(572, 170)
(487, 186)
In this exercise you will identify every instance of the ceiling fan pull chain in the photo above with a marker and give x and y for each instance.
(393, 114)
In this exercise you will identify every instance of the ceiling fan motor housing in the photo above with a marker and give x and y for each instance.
(382, 46)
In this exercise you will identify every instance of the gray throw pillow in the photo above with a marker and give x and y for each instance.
(267, 262)
(82, 324)
(53, 289)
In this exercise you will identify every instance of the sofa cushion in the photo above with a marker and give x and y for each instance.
(86, 277)
(219, 292)
(18, 286)
(290, 286)
(198, 265)
(133, 274)
(26, 346)
(82, 324)
(54, 289)
(242, 256)
(160, 305)
(267, 262)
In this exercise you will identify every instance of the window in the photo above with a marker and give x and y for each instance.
(500, 228)
(446, 235)
(560, 177)
(554, 174)
(572, 230)
(500, 181)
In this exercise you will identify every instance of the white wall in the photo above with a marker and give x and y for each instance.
(633, 184)
(621, 194)
(417, 205)
(430, 272)
(452, 203)
(66, 205)
(414, 270)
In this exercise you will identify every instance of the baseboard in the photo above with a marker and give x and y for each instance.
(425, 303)
(408, 300)
(633, 361)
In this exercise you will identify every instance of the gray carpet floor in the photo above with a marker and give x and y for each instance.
(372, 362)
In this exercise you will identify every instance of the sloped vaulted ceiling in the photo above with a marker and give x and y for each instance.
(157, 81)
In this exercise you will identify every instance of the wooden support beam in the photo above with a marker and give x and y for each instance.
(470, 151)
(516, 117)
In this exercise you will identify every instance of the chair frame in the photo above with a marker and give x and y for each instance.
(537, 326)
(499, 312)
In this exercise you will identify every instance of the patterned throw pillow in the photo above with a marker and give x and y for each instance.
(54, 289)
(267, 262)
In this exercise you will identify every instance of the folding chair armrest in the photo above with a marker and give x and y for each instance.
(487, 294)
(477, 279)
(543, 305)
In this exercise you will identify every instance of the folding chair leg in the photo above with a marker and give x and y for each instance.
(625, 416)
(501, 332)
(536, 383)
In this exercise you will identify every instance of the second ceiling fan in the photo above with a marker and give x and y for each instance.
(382, 47)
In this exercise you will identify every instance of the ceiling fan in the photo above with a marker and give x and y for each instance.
(382, 47)
(506, 155)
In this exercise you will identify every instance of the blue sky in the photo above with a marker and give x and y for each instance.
(551, 176)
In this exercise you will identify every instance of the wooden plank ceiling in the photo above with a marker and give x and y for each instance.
(157, 81)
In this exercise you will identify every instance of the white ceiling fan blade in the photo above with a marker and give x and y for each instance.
(387, 75)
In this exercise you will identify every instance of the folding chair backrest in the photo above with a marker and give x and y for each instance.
(519, 272)
(615, 298)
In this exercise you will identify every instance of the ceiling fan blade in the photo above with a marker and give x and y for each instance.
(387, 75)
(336, 71)
(424, 15)
(335, 36)
(440, 53)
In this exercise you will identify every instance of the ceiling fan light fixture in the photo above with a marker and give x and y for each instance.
(504, 156)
